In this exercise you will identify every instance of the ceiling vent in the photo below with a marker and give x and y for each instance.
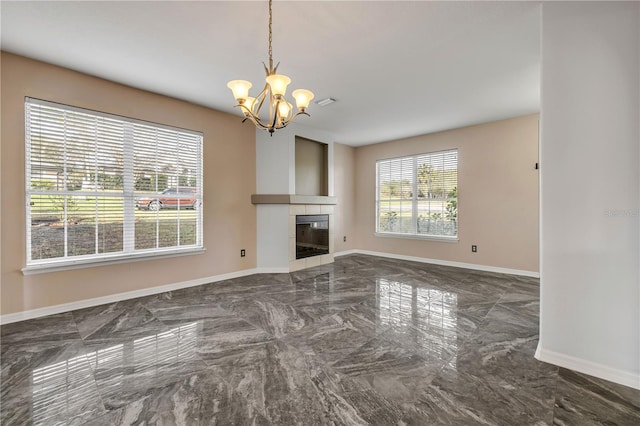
(325, 102)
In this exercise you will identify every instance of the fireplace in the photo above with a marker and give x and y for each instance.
(312, 235)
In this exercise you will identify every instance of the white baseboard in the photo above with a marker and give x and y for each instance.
(346, 252)
(477, 267)
(263, 270)
(81, 304)
(66, 307)
(626, 378)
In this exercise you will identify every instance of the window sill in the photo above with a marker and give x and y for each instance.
(417, 237)
(56, 266)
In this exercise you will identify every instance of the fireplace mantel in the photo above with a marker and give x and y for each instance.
(292, 199)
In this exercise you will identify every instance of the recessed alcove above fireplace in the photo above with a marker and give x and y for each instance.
(311, 167)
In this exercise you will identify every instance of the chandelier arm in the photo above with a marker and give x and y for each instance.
(275, 124)
(286, 123)
(290, 113)
(274, 110)
(256, 121)
(260, 125)
(260, 99)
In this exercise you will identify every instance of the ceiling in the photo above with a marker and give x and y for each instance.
(396, 68)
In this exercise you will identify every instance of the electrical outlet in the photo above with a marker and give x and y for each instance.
(474, 248)
(344, 239)
(243, 253)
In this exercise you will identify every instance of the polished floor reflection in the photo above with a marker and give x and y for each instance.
(365, 340)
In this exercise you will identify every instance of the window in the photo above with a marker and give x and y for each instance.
(418, 195)
(103, 187)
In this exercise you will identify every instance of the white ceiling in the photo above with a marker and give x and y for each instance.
(396, 68)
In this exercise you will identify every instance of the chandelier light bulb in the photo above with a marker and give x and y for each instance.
(278, 84)
(248, 104)
(284, 108)
(240, 89)
(303, 98)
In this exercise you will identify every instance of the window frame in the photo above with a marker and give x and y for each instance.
(414, 199)
(129, 253)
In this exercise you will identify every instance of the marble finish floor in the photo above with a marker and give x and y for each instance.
(363, 341)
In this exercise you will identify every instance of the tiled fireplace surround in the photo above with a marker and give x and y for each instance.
(305, 209)
(321, 205)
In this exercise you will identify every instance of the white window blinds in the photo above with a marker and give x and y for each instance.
(100, 186)
(418, 195)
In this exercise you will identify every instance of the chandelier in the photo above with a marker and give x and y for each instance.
(280, 110)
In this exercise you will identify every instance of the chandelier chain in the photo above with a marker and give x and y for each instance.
(270, 35)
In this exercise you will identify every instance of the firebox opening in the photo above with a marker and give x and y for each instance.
(312, 235)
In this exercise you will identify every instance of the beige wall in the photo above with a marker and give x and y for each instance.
(497, 194)
(229, 181)
(344, 188)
